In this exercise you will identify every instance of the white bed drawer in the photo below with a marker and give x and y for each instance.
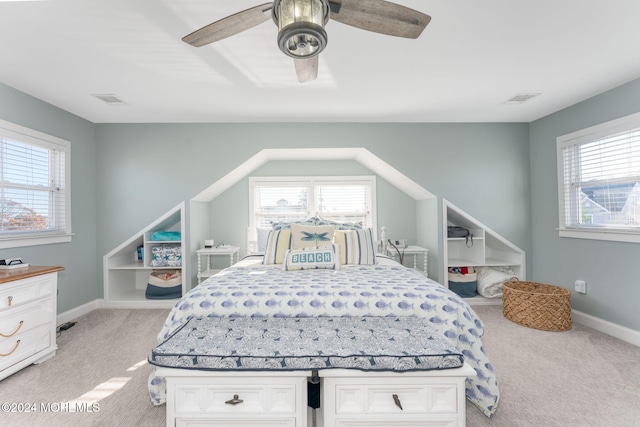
(251, 399)
(23, 291)
(374, 399)
(211, 398)
(395, 422)
(385, 399)
(285, 422)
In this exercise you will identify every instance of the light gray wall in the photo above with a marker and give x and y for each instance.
(146, 169)
(610, 268)
(78, 283)
(230, 211)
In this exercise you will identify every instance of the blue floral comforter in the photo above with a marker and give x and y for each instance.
(364, 290)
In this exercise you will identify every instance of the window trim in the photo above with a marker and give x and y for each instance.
(43, 140)
(583, 136)
(310, 182)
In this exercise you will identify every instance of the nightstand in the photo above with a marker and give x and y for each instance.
(233, 252)
(415, 251)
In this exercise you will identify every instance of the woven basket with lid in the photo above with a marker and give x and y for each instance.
(537, 305)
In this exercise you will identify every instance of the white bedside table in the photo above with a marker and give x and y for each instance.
(233, 252)
(415, 251)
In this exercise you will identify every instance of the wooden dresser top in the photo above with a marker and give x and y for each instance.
(23, 273)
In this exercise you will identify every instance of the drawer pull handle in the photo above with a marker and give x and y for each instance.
(9, 300)
(396, 399)
(14, 332)
(15, 347)
(234, 401)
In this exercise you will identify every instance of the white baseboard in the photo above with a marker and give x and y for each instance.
(626, 334)
(74, 313)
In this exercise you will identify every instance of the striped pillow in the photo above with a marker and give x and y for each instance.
(278, 243)
(355, 246)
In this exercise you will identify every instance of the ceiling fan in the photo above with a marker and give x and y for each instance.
(301, 33)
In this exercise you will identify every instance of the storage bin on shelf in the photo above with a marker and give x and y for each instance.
(164, 284)
(463, 281)
(537, 305)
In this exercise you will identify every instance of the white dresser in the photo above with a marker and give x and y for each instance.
(27, 317)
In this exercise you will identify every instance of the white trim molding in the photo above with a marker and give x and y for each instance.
(626, 334)
(359, 154)
(74, 313)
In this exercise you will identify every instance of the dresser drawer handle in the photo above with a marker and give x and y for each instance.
(9, 300)
(396, 400)
(15, 347)
(14, 332)
(234, 401)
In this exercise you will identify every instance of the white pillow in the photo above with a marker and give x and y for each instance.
(263, 235)
(310, 236)
(312, 258)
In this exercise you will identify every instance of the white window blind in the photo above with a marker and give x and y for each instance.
(341, 199)
(344, 203)
(276, 202)
(33, 186)
(600, 179)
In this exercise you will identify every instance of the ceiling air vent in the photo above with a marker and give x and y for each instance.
(520, 98)
(109, 99)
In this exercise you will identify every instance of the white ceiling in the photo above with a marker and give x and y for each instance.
(471, 58)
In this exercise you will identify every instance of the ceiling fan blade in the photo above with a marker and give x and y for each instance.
(229, 26)
(306, 69)
(380, 16)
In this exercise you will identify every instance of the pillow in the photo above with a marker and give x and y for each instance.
(309, 236)
(340, 225)
(284, 225)
(312, 258)
(263, 235)
(278, 243)
(355, 246)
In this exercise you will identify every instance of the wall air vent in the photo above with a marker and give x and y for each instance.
(520, 98)
(109, 99)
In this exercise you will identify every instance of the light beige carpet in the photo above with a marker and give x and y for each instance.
(577, 378)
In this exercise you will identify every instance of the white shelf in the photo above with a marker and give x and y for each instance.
(489, 249)
(136, 299)
(126, 278)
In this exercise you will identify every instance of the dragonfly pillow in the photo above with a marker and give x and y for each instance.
(306, 236)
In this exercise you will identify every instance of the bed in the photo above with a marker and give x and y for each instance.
(378, 287)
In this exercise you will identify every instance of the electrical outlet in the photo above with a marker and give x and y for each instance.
(581, 286)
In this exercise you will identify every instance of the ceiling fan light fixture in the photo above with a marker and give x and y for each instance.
(301, 24)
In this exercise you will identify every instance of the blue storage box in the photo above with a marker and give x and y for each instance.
(463, 281)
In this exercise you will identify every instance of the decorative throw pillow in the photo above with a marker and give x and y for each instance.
(278, 243)
(340, 225)
(263, 235)
(312, 258)
(307, 236)
(355, 246)
(284, 225)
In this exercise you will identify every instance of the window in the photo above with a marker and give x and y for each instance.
(34, 187)
(599, 181)
(341, 199)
